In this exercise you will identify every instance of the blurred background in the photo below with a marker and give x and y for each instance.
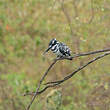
(27, 26)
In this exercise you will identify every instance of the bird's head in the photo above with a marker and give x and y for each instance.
(51, 44)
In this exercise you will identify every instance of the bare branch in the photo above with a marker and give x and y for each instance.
(37, 89)
(90, 53)
(55, 83)
(80, 68)
(85, 54)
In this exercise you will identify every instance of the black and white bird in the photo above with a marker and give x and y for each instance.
(59, 48)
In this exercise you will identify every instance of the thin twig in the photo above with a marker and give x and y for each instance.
(55, 83)
(90, 53)
(85, 54)
(80, 68)
(37, 89)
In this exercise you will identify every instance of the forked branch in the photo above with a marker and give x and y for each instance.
(55, 83)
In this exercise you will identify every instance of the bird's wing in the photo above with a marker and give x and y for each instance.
(64, 49)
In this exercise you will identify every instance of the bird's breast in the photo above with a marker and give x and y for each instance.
(55, 49)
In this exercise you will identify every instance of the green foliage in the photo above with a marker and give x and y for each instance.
(2, 49)
(38, 40)
(15, 80)
(54, 100)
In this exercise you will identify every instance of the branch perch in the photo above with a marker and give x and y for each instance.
(55, 83)
(80, 68)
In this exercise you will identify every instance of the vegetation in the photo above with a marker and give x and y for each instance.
(26, 26)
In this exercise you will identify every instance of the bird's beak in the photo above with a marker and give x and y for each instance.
(47, 50)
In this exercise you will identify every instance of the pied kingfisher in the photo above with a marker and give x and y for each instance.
(59, 48)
